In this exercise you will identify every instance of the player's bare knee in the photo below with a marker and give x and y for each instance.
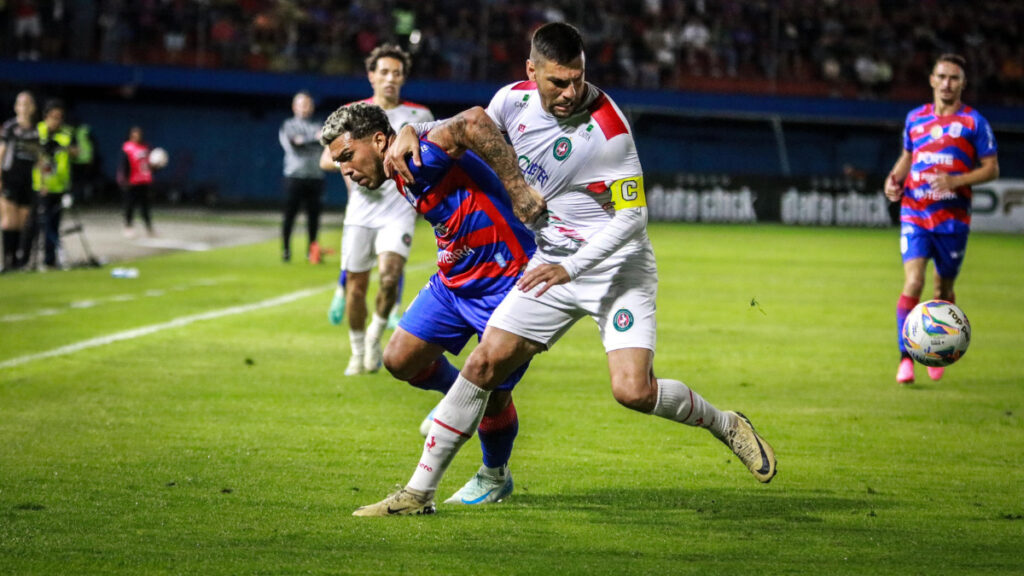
(389, 282)
(396, 365)
(635, 392)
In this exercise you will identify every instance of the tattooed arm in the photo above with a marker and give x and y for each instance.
(474, 130)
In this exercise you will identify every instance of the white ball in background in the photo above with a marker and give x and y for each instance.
(158, 158)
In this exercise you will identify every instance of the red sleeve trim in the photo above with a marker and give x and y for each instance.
(525, 85)
(607, 117)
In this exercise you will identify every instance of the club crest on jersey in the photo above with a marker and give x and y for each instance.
(955, 129)
(623, 320)
(563, 147)
(407, 239)
(936, 132)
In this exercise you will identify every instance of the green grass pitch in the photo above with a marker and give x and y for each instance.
(233, 445)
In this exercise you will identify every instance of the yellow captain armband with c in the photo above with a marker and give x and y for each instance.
(629, 193)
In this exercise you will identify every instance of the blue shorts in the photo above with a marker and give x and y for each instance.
(440, 317)
(946, 249)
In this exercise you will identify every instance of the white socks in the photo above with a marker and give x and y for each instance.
(357, 340)
(376, 329)
(678, 403)
(455, 421)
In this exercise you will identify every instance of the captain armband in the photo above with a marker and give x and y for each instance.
(629, 193)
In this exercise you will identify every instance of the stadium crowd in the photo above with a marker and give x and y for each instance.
(853, 48)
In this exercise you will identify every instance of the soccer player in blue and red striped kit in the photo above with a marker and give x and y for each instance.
(947, 148)
(482, 249)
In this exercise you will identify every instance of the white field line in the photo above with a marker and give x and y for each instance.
(176, 323)
(82, 304)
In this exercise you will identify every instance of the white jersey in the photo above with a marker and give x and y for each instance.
(585, 166)
(376, 208)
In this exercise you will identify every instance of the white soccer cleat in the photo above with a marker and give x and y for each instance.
(394, 318)
(485, 487)
(355, 366)
(756, 454)
(372, 358)
(404, 502)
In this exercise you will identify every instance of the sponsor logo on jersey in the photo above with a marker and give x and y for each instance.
(533, 172)
(585, 132)
(453, 256)
(623, 320)
(935, 158)
(562, 149)
(523, 103)
(522, 128)
(936, 132)
(440, 229)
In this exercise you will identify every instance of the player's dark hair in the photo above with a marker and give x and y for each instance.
(54, 104)
(952, 59)
(558, 42)
(360, 120)
(388, 51)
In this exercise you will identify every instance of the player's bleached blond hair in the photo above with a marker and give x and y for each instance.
(359, 120)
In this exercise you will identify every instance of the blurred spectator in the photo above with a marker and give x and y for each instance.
(28, 29)
(867, 48)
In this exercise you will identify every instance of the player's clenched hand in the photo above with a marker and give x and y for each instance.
(545, 276)
(530, 207)
(893, 189)
(942, 183)
(406, 143)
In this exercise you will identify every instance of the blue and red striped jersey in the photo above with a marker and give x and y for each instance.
(481, 246)
(952, 144)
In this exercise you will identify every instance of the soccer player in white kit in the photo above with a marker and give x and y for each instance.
(378, 225)
(593, 259)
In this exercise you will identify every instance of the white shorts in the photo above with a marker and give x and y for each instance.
(622, 303)
(360, 246)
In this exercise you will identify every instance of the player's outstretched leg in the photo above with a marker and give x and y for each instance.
(404, 502)
(756, 454)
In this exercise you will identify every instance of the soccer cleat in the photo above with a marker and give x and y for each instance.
(485, 487)
(404, 502)
(936, 372)
(756, 454)
(355, 366)
(393, 318)
(372, 357)
(905, 374)
(336, 313)
(425, 425)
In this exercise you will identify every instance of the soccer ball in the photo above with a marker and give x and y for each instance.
(158, 158)
(936, 333)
